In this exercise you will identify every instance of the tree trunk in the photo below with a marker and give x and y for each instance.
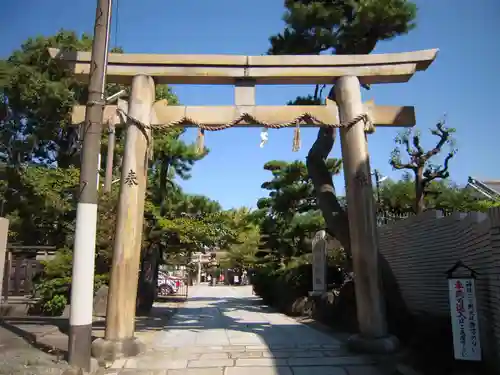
(419, 191)
(148, 280)
(337, 223)
(165, 166)
(335, 216)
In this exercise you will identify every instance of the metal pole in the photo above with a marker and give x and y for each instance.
(109, 159)
(98, 167)
(80, 331)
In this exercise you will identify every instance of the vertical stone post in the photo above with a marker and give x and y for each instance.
(4, 234)
(119, 338)
(198, 277)
(362, 223)
(319, 264)
(6, 276)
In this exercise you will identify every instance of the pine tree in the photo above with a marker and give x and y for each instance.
(341, 27)
(337, 27)
(290, 213)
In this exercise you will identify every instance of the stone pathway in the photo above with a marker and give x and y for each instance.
(225, 330)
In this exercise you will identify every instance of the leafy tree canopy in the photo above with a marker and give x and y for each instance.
(398, 197)
(40, 153)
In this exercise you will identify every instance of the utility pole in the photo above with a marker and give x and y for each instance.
(82, 288)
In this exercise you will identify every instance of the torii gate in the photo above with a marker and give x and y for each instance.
(353, 118)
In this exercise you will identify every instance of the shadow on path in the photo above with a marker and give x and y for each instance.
(227, 329)
(50, 334)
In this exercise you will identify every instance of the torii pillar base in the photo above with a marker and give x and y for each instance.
(110, 350)
(383, 345)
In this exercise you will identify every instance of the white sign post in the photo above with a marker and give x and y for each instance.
(464, 318)
(319, 263)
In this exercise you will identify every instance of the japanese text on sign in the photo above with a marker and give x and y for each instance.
(464, 319)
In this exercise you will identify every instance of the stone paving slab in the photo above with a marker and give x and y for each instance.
(211, 363)
(319, 370)
(260, 371)
(216, 355)
(260, 362)
(240, 355)
(158, 363)
(141, 372)
(298, 354)
(332, 361)
(224, 331)
(363, 370)
(198, 371)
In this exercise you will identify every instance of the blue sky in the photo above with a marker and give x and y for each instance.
(463, 81)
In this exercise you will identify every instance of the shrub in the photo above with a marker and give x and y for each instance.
(282, 287)
(53, 295)
(100, 280)
(52, 286)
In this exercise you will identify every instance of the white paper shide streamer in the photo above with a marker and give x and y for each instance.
(264, 137)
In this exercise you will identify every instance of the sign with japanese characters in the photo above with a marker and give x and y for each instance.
(319, 262)
(464, 319)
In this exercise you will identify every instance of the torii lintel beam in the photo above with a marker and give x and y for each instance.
(163, 115)
(277, 70)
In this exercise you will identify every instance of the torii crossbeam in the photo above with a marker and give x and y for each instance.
(215, 116)
(274, 70)
(244, 72)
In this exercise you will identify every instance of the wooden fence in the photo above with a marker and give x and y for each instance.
(21, 265)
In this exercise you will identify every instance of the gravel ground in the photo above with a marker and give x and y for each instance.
(18, 357)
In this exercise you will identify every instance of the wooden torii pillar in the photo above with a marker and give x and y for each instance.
(347, 72)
